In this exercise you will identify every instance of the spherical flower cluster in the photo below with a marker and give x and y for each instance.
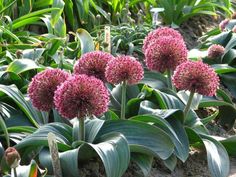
(41, 89)
(93, 64)
(215, 51)
(12, 157)
(81, 95)
(223, 24)
(165, 53)
(160, 32)
(196, 77)
(124, 68)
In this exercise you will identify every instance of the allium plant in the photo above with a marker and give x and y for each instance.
(160, 32)
(93, 64)
(125, 70)
(41, 89)
(215, 51)
(197, 77)
(165, 54)
(81, 96)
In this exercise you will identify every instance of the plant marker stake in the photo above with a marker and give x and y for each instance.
(54, 155)
(108, 38)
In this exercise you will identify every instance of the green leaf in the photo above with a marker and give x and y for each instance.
(19, 99)
(184, 96)
(86, 41)
(56, 14)
(154, 79)
(229, 144)
(4, 129)
(209, 118)
(217, 157)
(39, 137)
(143, 161)
(143, 138)
(223, 68)
(33, 54)
(19, 66)
(111, 148)
(174, 128)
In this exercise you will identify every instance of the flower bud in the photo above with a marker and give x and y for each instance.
(12, 157)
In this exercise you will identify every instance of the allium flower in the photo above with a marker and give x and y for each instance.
(81, 95)
(196, 77)
(223, 24)
(12, 157)
(215, 51)
(165, 53)
(41, 89)
(93, 64)
(124, 68)
(160, 32)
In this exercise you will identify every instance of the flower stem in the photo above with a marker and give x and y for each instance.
(123, 99)
(81, 129)
(187, 107)
(14, 170)
(169, 75)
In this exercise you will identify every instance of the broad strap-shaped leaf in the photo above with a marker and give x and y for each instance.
(19, 66)
(143, 161)
(142, 137)
(229, 144)
(62, 131)
(165, 119)
(30, 170)
(86, 41)
(217, 157)
(112, 149)
(19, 99)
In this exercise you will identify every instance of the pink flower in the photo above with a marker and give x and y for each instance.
(93, 64)
(160, 32)
(165, 53)
(81, 95)
(124, 68)
(223, 24)
(215, 51)
(197, 77)
(41, 89)
(12, 157)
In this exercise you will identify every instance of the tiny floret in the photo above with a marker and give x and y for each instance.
(81, 96)
(124, 68)
(196, 77)
(42, 87)
(93, 64)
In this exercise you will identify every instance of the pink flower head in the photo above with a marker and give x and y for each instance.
(124, 68)
(165, 53)
(223, 24)
(93, 64)
(160, 32)
(197, 77)
(41, 89)
(81, 95)
(215, 51)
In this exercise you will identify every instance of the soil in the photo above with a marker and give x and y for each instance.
(195, 27)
